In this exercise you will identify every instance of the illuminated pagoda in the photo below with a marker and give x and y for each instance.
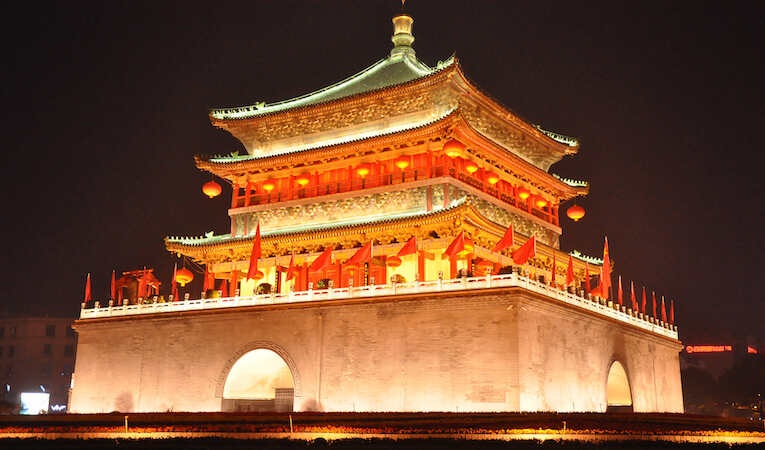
(396, 151)
(392, 210)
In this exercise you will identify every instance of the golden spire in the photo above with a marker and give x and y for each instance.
(402, 34)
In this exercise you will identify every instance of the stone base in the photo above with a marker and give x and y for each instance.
(502, 349)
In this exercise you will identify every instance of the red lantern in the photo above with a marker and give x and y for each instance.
(269, 185)
(453, 148)
(363, 170)
(575, 212)
(523, 193)
(483, 266)
(492, 178)
(540, 202)
(393, 261)
(211, 189)
(303, 179)
(471, 167)
(184, 276)
(259, 275)
(402, 162)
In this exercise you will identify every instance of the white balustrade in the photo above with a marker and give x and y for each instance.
(313, 295)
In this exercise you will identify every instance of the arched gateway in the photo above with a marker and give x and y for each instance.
(618, 393)
(260, 379)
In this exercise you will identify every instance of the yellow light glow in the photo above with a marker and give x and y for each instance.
(618, 387)
(523, 193)
(303, 180)
(492, 178)
(402, 162)
(363, 170)
(471, 168)
(541, 202)
(256, 374)
(269, 186)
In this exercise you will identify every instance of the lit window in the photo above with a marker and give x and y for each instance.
(50, 330)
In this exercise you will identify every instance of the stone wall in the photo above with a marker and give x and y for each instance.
(493, 350)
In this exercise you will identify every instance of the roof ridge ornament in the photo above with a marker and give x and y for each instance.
(402, 35)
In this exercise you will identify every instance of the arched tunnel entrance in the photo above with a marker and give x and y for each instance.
(618, 394)
(259, 381)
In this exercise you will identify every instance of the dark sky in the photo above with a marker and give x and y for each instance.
(105, 104)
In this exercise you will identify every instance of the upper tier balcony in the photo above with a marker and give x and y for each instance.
(312, 185)
(573, 298)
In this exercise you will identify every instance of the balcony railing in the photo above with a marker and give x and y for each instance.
(502, 191)
(592, 304)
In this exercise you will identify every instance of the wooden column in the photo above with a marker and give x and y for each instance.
(247, 193)
(421, 265)
(234, 195)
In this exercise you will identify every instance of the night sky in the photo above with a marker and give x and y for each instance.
(105, 104)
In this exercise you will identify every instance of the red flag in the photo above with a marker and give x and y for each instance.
(234, 279)
(114, 286)
(322, 261)
(605, 271)
(87, 289)
(672, 311)
(457, 245)
(653, 299)
(526, 251)
(291, 269)
(552, 277)
(620, 297)
(506, 241)
(362, 255)
(254, 256)
(409, 248)
(570, 271)
(174, 291)
(643, 302)
(632, 296)
(587, 277)
(663, 310)
(223, 289)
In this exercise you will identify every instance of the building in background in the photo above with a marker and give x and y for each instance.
(36, 362)
(717, 355)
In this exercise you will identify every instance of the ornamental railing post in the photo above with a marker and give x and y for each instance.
(440, 280)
